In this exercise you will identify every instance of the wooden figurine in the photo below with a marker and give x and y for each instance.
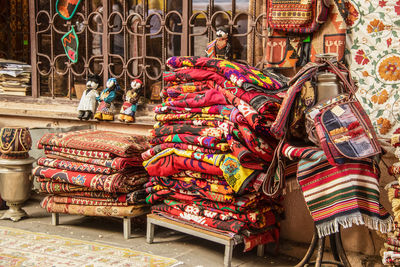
(221, 47)
(87, 104)
(128, 109)
(105, 110)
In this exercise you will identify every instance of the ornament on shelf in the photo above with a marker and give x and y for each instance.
(105, 110)
(88, 103)
(221, 47)
(128, 109)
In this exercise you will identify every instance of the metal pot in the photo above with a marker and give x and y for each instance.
(15, 185)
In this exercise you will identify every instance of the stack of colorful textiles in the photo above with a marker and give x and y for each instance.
(391, 250)
(210, 143)
(91, 172)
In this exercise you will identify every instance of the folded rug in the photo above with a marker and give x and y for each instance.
(74, 166)
(51, 206)
(119, 144)
(108, 183)
(234, 226)
(118, 163)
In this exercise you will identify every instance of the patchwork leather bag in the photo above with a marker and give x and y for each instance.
(343, 128)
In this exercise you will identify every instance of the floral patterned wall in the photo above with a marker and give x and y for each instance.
(373, 54)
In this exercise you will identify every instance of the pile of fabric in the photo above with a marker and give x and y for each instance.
(391, 251)
(94, 173)
(210, 144)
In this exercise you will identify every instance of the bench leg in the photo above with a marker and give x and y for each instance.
(127, 227)
(55, 219)
(149, 232)
(260, 250)
(228, 254)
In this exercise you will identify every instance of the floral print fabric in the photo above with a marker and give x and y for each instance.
(374, 60)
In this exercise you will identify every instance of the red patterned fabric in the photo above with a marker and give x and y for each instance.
(74, 166)
(100, 182)
(115, 163)
(119, 144)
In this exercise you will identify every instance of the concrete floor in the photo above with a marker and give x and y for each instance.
(191, 251)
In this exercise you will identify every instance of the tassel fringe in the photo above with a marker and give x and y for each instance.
(327, 228)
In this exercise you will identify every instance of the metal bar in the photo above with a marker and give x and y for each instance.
(192, 232)
(55, 219)
(105, 42)
(185, 41)
(260, 250)
(310, 250)
(334, 250)
(33, 41)
(127, 227)
(341, 252)
(320, 252)
(228, 254)
(150, 231)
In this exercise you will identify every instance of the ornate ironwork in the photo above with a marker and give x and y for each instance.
(133, 39)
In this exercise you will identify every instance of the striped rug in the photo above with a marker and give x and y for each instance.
(343, 195)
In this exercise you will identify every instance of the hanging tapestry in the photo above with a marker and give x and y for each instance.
(374, 60)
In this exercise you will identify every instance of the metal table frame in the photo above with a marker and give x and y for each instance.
(228, 242)
(127, 223)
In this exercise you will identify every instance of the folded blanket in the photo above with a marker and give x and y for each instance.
(229, 225)
(186, 179)
(256, 218)
(193, 185)
(342, 194)
(167, 193)
(86, 201)
(79, 152)
(123, 145)
(205, 141)
(88, 194)
(172, 164)
(189, 130)
(108, 183)
(57, 187)
(158, 148)
(214, 159)
(128, 211)
(197, 175)
(189, 116)
(74, 166)
(215, 109)
(190, 87)
(115, 163)
(233, 71)
(213, 123)
(194, 100)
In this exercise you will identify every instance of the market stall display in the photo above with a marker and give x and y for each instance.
(210, 143)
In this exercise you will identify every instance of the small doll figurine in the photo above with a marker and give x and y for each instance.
(221, 47)
(129, 107)
(87, 104)
(105, 110)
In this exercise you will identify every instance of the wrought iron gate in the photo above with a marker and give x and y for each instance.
(133, 38)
